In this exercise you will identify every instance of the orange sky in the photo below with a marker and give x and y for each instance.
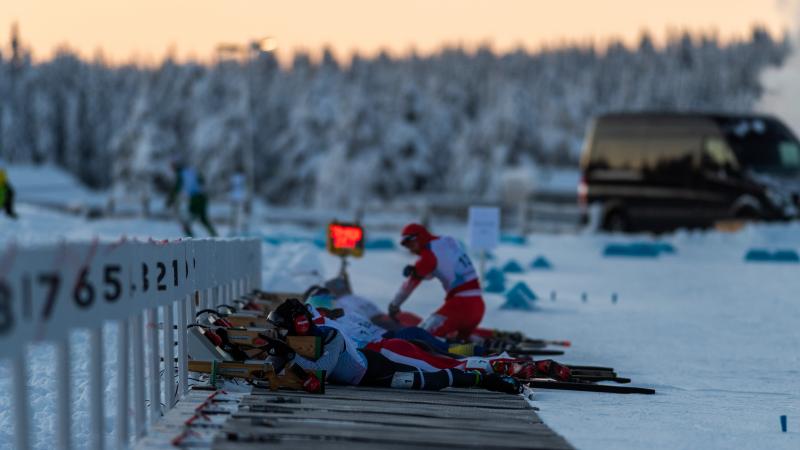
(147, 28)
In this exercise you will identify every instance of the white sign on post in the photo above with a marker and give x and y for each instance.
(484, 228)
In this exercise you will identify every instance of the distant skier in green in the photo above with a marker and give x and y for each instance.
(6, 195)
(189, 185)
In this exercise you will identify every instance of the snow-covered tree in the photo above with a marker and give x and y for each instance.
(330, 133)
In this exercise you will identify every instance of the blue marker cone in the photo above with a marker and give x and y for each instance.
(520, 297)
(553, 296)
(495, 286)
(513, 266)
(614, 298)
(783, 424)
(541, 263)
(584, 297)
(495, 274)
(525, 291)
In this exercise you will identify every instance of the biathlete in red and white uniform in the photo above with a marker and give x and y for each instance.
(347, 364)
(443, 258)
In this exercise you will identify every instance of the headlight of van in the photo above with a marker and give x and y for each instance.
(775, 198)
(782, 202)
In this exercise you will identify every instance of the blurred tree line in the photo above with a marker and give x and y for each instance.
(320, 132)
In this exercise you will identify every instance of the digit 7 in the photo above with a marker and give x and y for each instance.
(53, 282)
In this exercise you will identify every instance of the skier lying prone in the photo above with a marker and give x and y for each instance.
(346, 364)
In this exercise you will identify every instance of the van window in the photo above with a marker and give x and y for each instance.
(763, 145)
(717, 154)
(619, 153)
(653, 148)
(790, 154)
(671, 152)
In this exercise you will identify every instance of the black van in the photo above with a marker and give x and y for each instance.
(660, 171)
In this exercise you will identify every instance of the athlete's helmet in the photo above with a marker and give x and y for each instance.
(415, 232)
(293, 316)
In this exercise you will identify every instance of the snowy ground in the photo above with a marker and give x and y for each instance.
(717, 337)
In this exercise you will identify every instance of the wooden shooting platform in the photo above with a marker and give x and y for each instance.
(355, 418)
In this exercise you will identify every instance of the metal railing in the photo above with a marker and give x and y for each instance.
(48, 291)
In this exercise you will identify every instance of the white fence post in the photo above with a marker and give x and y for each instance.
(155, 378)
(96, 417)
(123, 417)
(196, 300)
(183, 354)
(139, 408)
(63, 394)
(169, 356)
(22, 419)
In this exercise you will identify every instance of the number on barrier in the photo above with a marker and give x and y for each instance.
(145, 281)
(111, 278)
(53, 282)
(84, 291)
(162, 271)
(175, 272)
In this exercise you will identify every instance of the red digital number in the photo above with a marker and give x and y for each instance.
(345, 237)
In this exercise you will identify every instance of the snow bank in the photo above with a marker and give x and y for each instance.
(50, 185)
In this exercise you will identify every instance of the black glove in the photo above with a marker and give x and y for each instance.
(408, 271)
(501, 383)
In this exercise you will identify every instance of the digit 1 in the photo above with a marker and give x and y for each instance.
(145, 281)
(175, 272)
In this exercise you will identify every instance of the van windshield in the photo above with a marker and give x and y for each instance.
(763, 145)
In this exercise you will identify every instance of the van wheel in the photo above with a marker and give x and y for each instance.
(616, 222)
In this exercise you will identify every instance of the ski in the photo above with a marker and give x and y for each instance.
(604, 369)
(593, 373)
(535, 352)
(545, 342)
(588, 387)
(595, 378)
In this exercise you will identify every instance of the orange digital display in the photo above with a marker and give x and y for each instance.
(345, 239)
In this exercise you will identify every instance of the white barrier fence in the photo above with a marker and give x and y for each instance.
(48, 291)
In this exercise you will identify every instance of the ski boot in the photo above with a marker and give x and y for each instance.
(517, 367)
(547, 368)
